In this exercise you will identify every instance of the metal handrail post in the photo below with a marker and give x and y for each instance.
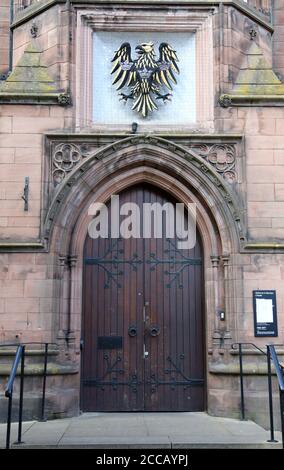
(242, 382)
(9, 392)
(270, 397)
(21, 397)
(44, 382)
(9, 418)
(282, 414)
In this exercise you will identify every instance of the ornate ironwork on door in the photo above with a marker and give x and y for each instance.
(113, 377)
(112, 261)
(176, 377)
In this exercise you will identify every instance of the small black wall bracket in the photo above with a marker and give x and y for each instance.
(25, 196)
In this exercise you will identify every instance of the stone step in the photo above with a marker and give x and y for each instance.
(143, 431)
(151, 445)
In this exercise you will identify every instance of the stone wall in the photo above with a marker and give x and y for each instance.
(4, 36)
(21, 145)
(30, 277)
(28, 297)
(52, 39)
(278, 37)
(28, 289)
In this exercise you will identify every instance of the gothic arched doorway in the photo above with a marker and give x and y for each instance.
(143, 323)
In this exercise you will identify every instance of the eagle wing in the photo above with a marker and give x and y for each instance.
(124, 66)
(166, 66)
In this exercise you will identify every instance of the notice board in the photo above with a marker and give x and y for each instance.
(265, 313)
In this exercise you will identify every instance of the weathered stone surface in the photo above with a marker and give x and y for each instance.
(256, 76)
(36, 294)
(29, 75)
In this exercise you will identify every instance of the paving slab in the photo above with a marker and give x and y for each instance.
(142, 430)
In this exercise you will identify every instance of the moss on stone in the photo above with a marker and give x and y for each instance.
(29, 75)
(264, 90)
(255, 62)
(256, 76)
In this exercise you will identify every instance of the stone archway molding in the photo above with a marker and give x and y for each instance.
(173, 168)
(155, 152)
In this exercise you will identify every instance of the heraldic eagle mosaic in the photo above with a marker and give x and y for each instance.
(148, 79)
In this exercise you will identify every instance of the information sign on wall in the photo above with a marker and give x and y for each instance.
(265, 313)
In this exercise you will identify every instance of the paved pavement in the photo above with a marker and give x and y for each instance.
(142, 430)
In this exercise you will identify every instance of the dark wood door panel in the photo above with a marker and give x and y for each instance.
(143, 322)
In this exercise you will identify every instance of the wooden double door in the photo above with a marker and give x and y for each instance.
(143, 326)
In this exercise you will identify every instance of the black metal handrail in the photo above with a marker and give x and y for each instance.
(20, 357)
(239, 346)
(279, 369)
(270, 355)
(9, 386)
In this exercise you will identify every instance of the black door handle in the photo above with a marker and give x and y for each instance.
(132, 330)
(154, 330)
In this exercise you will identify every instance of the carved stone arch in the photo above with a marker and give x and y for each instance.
(172, 158)
(171, 167)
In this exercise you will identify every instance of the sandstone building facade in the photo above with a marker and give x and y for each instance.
(67, 141)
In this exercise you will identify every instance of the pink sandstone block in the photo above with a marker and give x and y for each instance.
(21, 140)
(5, 125)
(265, 174)
(12, 289)
(22, 305)
(36, 125)
(279, 192)
(279, 157)
(260, 192)
(259, 157)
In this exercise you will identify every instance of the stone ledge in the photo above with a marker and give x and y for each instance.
(227, 100)
(89, 134)
(20, 247)
(251, 368)
(32, 352)
(253, 352)
(262, 246)
(61, 99)
(37, 370)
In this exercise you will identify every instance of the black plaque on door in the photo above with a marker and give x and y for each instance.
(265, 313)
(110, 342)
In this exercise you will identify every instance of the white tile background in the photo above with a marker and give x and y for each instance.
(107, 109)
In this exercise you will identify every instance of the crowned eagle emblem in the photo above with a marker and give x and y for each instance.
(147, 78)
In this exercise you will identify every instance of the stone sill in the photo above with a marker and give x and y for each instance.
(251, 368)
(254, 352)
(61, 99)
(86, 134)
(19, 247)
(227, 100)
(37, 370)
(31, 352)
(37, 8)
(28, 247)
(263, 247)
